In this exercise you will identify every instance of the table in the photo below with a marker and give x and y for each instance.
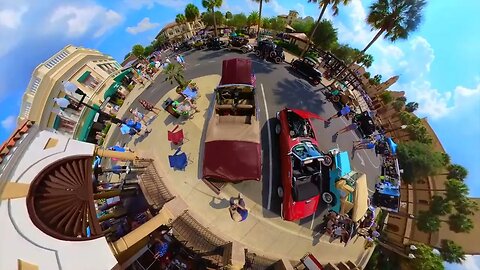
(168, 106)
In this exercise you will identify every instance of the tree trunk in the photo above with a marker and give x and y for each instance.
(214, 22)
(259, 19)
(359, 55)
(324, 7)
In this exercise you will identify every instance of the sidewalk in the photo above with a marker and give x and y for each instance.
(263, 232)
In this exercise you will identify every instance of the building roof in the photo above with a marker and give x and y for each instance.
(17, 134)
(298, 36)
(168, 26)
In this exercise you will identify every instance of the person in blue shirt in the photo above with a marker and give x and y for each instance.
(238, 211)
(343, 112)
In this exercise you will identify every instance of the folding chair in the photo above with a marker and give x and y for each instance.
(176, 136)
(178, 161)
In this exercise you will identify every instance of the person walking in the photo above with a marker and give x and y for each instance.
(364, 144)
(148, 106)
(238, 211)
(138, 116)
(343, 112)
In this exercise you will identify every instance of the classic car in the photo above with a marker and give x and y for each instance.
(308, 68)
(269, 50)
(232, 151)
(214, 43)
(300, 163)
(240, 44)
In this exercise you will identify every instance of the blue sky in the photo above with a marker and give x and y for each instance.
(438, 65)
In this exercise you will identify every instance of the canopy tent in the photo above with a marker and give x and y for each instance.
(392, 145)
(360, 198)
(236, 71)
(112, 90)
(87, 123)
(122, 75)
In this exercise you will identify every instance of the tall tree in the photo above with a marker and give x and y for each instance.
(266, 23)
(326, 35)
(148, 50)
(440, 206)
(260, 7)
(302, 26)
(428, 222)
(323, 4)
(418, 160)
(455, 189)
(460, 223)
(365, 61)
(191, 13)
(239, 20)
(465, 206)
(252, 18)
(426, 259)
(456, 171)
(174, 73)
(451, 252)
(411, 106)
(138, 50)
(395, 19)
(228, 15)
(277, 24)
(210, 5)
(180, 18)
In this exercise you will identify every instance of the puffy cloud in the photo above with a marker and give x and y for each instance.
(277, 8)
(81, 19)
(12, 18)
(9, 123)
(138, 4)
(301, 10)
(142, 26)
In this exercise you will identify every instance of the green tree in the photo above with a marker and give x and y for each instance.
(440, 206)
(418, 160)
(395, 19)
(376, 80)
(180, 18)
(411, 107)
(428, 222)
(326, 36)
(277, 24)
(426, 259)
(239, 20)
(323, 4)
(252, 18)
(460, 223)
(457, 171)
(451, 252)
(344, 52)
(465, 206)
(138, 50)
(455, 189)
(148, 50)
(260, 7)
(365, 61)
(191, 13)
(127, 55)
(266, 23)
(210, 5)
(398, 104)
(367, 75)
(210, 20)
(386, 97)
(303, 26)
(174, 73)
(159, 42)
(419, 132)
(228, 15)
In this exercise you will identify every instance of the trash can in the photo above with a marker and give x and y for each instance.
(168, 106)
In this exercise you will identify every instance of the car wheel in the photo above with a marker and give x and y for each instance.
(351, 114)
(316, 82)
(327, 161)
(273, 54)
(257, 53)
(278, 129)
(327, 197)
(244, 50)
(335, 98)
(278, 60)
(277, 115)
(280, 192)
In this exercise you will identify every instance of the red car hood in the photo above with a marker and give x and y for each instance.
(299, 210)
(307, 114)
(232, 161)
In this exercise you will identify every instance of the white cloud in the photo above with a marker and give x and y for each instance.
(277, 8)
(138, 4)
(12, 18)
(9, 123)
(301, 10)
(142, 26)
(471, 263)
(80, 20)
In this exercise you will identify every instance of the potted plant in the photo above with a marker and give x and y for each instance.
(174, 73)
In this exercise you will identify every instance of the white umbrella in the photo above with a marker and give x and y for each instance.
(69, 87)
(62, 102)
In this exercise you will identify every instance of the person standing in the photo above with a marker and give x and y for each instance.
(149, 107)
(343, 112)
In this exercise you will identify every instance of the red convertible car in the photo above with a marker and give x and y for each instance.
(300, 163)
(232, 150)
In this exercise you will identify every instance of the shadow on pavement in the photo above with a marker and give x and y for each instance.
(260, 66)
(275, 201)
(206, 115)
(298, 95)
(219, 203)
(211, 54)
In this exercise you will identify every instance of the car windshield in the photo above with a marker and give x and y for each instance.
(299, 127)
(306, 151)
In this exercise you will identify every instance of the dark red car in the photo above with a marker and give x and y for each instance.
(300, 163)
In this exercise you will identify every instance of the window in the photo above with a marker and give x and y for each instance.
(423, 202)
(34, 83)
(421, 181)
(392, 227)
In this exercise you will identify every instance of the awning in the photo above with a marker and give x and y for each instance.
(112, 90)
(306, 114)
(122, 75)
(360, 199)
(87, 124)
(84, 77)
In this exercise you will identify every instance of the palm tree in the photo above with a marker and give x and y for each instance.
(455, 189)
(451, 252)
(210, 5)
(260, 6)
(191, 13)
(428, 222)
(174, 73)
(465, 206)
(323, 4)
(456, 171)
(394, 18)
(460, 223)
(180, 18)
(411, 106)
(365, 61)
(228, 15)
(252, 18)
(440, 206)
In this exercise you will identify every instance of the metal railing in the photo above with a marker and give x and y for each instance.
(153, 188)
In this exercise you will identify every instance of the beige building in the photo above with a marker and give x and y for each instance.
(401, 229)
(175, 32)
(290, 18)
(96, 74)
